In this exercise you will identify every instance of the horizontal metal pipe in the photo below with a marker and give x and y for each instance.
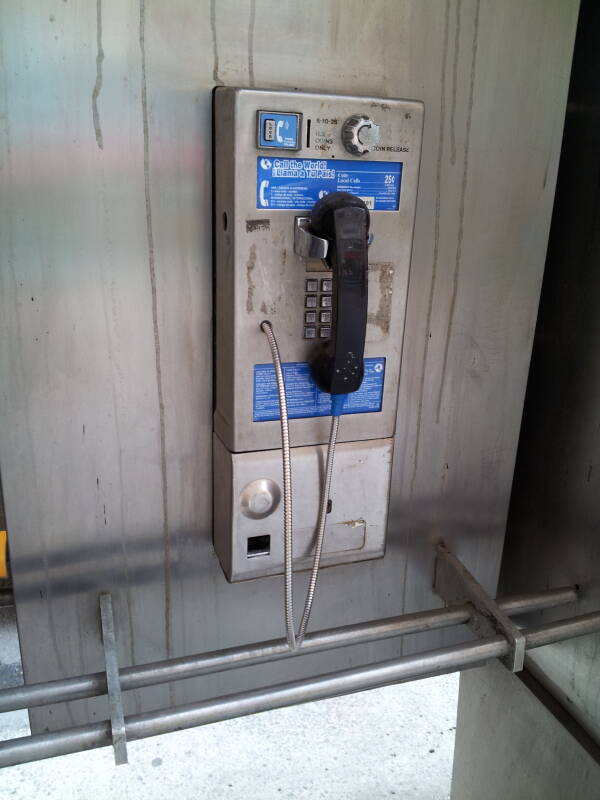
(536, 601)
(48, 745)
(419, 665)
(94, 684)
(552, 632)
(318, 688)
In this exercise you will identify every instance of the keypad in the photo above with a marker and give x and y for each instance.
(317, 304)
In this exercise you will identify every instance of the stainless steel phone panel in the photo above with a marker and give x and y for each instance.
(259, 276)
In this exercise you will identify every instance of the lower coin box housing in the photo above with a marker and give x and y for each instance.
(251, 547)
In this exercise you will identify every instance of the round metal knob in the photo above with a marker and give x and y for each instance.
(359, 134)
(260, 498)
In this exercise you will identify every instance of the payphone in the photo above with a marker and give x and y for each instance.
(310, 189)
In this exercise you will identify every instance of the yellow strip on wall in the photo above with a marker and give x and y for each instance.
(3, 554)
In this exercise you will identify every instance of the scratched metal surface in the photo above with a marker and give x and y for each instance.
(106, 307)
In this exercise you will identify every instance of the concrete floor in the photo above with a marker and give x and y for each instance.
(397, 741)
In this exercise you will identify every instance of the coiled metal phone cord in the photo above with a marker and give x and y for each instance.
(324, 504)
(337, 404)
(287, 485)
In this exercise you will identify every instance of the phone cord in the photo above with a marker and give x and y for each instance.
(337, 406)
(287, 487)
(323, 510)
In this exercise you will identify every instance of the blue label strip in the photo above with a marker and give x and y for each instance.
(297, 183)
(305, 399)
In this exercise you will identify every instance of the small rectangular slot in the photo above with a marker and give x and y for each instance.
(308, 133)
(259, 545)
(269, 130)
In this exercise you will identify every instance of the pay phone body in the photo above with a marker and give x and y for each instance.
(276, 154)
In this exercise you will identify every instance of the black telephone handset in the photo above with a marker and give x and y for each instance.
(343, 219)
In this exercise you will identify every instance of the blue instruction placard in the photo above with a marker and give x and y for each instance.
(285, 183)
(305, 399)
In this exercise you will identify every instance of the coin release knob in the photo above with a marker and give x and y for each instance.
(359, 134)
(260, 498)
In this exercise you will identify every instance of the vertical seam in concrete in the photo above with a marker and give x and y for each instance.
(454, 85)
(461, 212)
(436, 244)
(213, 28)
(251, 22)
(117, 428)
(159, 383)
(98, 85)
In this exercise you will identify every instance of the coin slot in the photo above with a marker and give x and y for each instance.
(308, 133)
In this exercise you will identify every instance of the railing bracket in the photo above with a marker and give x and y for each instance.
(455, 584)
(113, 681)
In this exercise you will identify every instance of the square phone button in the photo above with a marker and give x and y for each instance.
(326, 301)
(310, 316)
(311, 301)
(326, 285)
(325, 316)
(312, 285)
(310, 333)
(325, 332)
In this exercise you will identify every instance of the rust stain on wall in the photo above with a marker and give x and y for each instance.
(250, 265)
(253, 225)
(385, 274)
(382, 106)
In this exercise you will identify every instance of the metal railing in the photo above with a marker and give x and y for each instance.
(481, 613)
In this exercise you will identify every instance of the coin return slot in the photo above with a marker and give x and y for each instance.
(259, 546)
